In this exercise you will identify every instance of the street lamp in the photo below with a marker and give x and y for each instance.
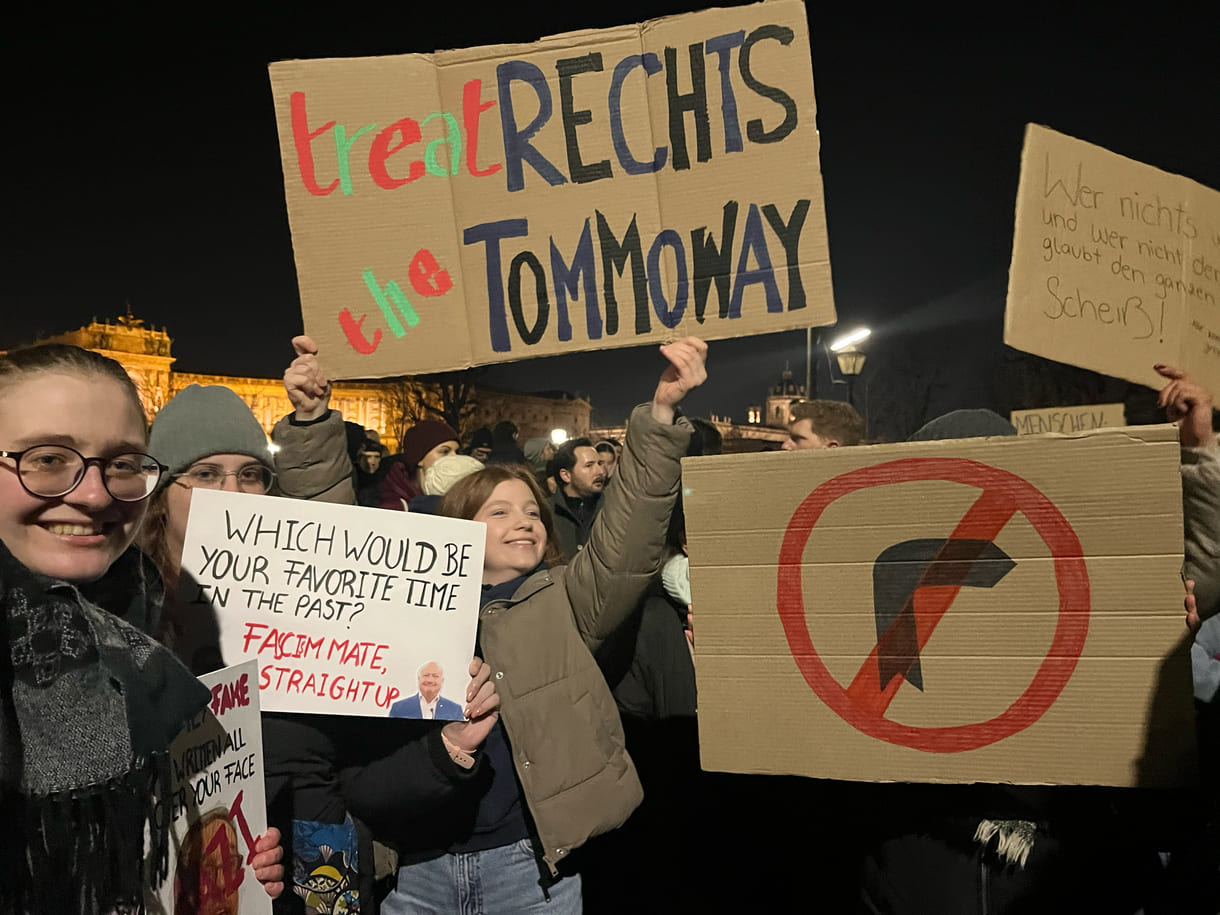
(558, 436)
(850, 357)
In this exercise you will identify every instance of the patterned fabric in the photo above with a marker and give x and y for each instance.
(89, 709)
(326, 866)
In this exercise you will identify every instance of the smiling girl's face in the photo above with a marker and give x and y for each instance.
(516, 537)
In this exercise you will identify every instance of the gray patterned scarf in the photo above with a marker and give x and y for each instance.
(88, 707)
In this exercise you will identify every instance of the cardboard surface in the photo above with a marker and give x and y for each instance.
(594, 189)
(1069, 419)
(219, 804)
(1115, 264)
(340, 605)
(998, 610)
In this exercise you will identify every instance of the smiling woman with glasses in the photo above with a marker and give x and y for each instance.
(89, 702)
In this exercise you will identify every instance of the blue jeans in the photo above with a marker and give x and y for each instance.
(493, 882)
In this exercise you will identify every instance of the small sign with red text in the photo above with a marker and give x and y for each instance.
(218, 807)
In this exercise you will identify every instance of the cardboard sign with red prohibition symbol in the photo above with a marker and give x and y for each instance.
(1001, 610)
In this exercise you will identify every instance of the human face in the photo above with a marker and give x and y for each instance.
(74, 537)
(609, 460)
(588, 476)
(444, 449)
(370, 461)
(178, 495)
(801, 437)
(431, 678)
(516, 538)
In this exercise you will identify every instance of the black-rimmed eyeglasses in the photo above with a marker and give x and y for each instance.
(51, 471)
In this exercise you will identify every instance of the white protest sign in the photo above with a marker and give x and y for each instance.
(219, 806)
(342, 606)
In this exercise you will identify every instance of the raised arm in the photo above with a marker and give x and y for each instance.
(312, 461)
(607, 579)
(1190, 406)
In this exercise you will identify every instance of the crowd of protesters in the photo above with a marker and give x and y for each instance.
(573, 782)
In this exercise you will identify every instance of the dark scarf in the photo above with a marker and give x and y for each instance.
(88, 707)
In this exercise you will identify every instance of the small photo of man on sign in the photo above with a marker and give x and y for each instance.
(428, 701)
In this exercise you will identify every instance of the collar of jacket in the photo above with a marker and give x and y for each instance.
(537, 580)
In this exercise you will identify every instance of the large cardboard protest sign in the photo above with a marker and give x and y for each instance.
(218, 807)
(1115, 264)
(343, 607)
(1068, 419)
(594, 189)
(999, 610)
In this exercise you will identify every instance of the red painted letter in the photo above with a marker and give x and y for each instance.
(351, 327)
(382, 150)
(427, 276)
(472, 107)
(302, 137)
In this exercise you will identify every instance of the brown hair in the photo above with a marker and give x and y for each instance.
(154, 541)
(65, 359)
(833, 419)
(471, 493)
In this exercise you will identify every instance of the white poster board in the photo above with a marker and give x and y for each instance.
(341, 605)
(219, 805)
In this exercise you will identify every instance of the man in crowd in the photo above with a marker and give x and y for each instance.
(580, 477)
(823, 424)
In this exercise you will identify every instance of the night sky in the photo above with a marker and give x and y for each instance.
(143, 164)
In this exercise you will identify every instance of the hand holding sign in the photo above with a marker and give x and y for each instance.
(1188, 404)
(267, 862)
(482, 709)
(305, 382)
(687, 370)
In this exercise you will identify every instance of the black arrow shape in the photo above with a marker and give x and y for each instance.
(903, 569)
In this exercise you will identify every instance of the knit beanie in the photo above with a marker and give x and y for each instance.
(201, 421)
(422, 438)
(963, 424)
(533, 453)
(446, 471)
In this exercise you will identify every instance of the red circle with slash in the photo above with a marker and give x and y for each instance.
(1003, 494)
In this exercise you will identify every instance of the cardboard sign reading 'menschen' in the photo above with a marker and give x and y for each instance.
(594, 189)
(1115, 264)
(348, 610)
(993, 610)
(219, 805)
(1069, 419)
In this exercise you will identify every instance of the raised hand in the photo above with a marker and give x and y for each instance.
(1188, 404)
(687, 370)
(482, 709)
(307, 385)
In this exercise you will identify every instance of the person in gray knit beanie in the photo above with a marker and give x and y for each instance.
(209, 439)
(202, 421)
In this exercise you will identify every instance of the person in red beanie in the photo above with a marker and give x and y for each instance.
(423, 445)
